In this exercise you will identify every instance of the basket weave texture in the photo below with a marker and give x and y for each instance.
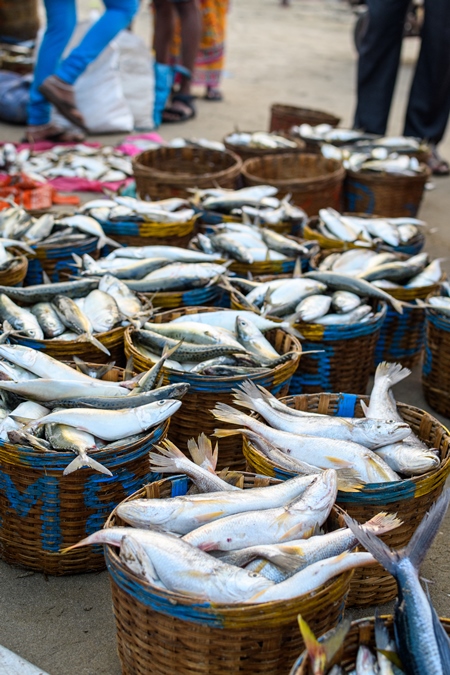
(42, 511)
(362, 632)
(162, 632)
(385, 194)
(345, 361)
(410, 499)
(283, 117)
(436, 366)
(16, 273)
(313, 181)
(57, 262)
(194, 416)
(129, 233)
(65, 350)
(172, 172)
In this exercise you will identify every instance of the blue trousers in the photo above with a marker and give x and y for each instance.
(61, 22)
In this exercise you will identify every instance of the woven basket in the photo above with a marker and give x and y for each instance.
(57, 262)
(210, 296)
(283, 117)
(172, 172)
(410, 498)
(346, 360)
(42, 511)
(436, 365)
(65, 350)
(313, 181)
(384, 193)
(17, 273)
(161, 632)
(362, 632)
(19, 20)
(130, 233)
(310, 231)
(245, 152)
(194, 417)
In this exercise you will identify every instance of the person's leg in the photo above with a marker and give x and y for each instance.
(379, 58)
(429, 102)
(61, 21)
(163, 29)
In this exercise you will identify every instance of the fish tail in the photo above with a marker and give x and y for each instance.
(246, 393)
(223, 433)
(202, 452)
(380, 551)
(100, 537)
(93, 340)
(425, 534)
(225, 413)
(168, 461)
(85, 460)
(110, 242)
(290, 326)
(397, 305)
(382, 522)
(393, 372)
(315, 649)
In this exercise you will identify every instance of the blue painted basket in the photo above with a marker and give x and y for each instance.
(161, 632)
(57, 262)
(42, 511)
(436, 365)
(410, 498)
(132, 233)
(194, 416)
(211, 296)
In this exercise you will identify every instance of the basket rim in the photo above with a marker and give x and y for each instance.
(62, 247)
(336, 174)
(183, 177)
(50, 342)
(385, 177)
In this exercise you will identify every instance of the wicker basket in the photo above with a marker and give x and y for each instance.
(210, 296)
(129, 233)
(283, 117)
(310, 231)
(19, 20)
(436, 365)
(161, 632)
(57, 262)
(194, 417)
(362, 632)
(15, 275)
(42, 511)
(410, 498)
(172, 172)
(313, 181)
(245, 152)
(346, 360)
(65, 350)
(384, 193)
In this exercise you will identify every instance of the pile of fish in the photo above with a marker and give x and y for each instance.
(72, 310)
(361, 157)
(152, 269)
(248, 243)
(19, 228)
(378, 448)
(104, 164)
(49, 406)
(384, 270)
(325, 133)
(200, 545)
(121, 208)
(9, 261)
(260, 139)
(367, 231)
(316, 297)
(219, 344)
(258, 202)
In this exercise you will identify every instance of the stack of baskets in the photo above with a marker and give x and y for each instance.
(410, 499)
(436, 366)
(161, 632)
(194, 416)
(130, 233)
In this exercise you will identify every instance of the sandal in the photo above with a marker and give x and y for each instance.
(180, 114)
(213, 94)
(438, 165)
(52, 132)
(62, 96)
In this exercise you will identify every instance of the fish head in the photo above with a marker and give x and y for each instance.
(320, 495)
(244, 583)
(383, 432)
(422, 462)
(155, 413)
(245, 329)
(34, 332)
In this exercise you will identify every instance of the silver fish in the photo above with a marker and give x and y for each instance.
(63, 437)
(21, 319)
(102, 311)
(48, 319)
(72, 317)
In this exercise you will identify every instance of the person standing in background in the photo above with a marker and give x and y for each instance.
(181, 107)
(379, 57)
(53, 79)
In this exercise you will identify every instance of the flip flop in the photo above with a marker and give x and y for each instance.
(438, 165)
(49, 89)
(213, 94)
(181, 115)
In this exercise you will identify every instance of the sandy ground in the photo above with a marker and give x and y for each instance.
(302, 55)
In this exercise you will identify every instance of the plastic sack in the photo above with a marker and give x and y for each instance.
(14, 97)
(136, 74)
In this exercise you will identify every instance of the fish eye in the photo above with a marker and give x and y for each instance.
(254, 575)
(162, 402)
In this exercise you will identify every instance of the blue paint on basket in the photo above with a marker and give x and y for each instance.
(360, 197)
(346, 405)
(391, 344)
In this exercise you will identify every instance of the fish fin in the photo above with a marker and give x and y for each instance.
(21, 420)
(349, 480)
(93, 340)
(232, 477)
(382, 638)
(132, 550)
(246, 393)
(340, 463)
(397, 305)
(45, 278)
(315, 649)
(381, 523)
(168, 459)
(85, 460)
(289, 326)
(297, 273)
(365, 408)
(224, 433)
(202, 453)
(211, 515)
(225, 413)
(78, 261)
(394, 372)
(425, 534)
(128, 373)
(388, 558)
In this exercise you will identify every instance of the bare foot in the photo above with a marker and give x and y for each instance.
(213, 94)
(52, 132)
(62, 96)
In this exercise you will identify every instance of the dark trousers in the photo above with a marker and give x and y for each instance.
(429, 100)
